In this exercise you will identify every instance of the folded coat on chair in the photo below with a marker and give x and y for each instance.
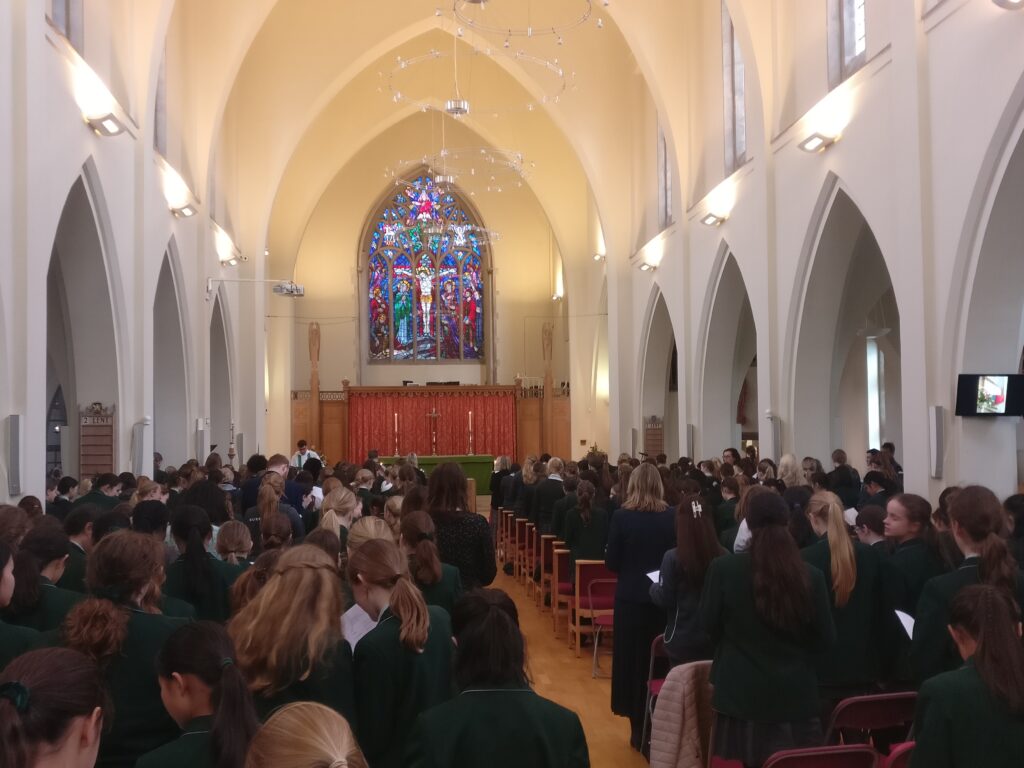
(681, 725)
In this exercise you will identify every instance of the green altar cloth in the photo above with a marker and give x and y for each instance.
(477, 467)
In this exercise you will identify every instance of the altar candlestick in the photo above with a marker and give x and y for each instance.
(471, 420)
(396, 422)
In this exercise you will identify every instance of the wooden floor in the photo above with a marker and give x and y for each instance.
(558, 675)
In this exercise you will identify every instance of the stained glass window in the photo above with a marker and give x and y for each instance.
(425, 267)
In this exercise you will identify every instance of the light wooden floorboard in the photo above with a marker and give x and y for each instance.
(558, 675)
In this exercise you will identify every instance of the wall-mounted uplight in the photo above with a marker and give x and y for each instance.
(713, 220)
(97, 104)
(1010, 5)
(599, 257)
(817, 142)
(556, 297)
(227, 252)
(645, 267)
(179, 197)
(719, 203)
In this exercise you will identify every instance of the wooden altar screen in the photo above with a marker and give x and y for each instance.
(399, 420)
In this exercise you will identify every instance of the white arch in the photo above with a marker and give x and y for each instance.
(726, 321)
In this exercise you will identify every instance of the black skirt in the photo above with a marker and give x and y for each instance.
(635, 627)
(752, 743)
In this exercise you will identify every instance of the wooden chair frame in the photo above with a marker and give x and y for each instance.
(518, 545)
(547, 541)
(526, 571)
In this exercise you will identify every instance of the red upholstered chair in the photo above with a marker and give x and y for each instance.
(899, 757)
(561, 592)
(654, 684)
(602, 623)
(519, 545)
(872, 713)
(841, 756)
(547, 546)
(582, 606)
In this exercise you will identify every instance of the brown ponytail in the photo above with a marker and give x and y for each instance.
(269, 498)
(379, 562)
(585, 500)
(417, 530)
(41, 693)
(981, 519)
(991, 617)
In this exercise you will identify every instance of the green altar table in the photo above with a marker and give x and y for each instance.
(477, 467)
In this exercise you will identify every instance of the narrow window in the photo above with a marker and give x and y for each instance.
(734, 85)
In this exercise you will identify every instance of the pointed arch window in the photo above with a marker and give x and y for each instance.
(426, 269)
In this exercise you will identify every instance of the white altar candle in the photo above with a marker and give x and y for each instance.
(396, 422)
(470, 421)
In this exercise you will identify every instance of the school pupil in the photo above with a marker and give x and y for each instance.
(305, 734)
(197, 577)
(767, 613)
(14, 640)
(253, 579)
(439, 582)
(288, 638)
(402, 665)
(234, 544)
(52, 706)
(976, 523)
(38, 603)
(974, 716)
(852, 572)
(205, 692)
(497, 720)
(683, 569)
(122, 629)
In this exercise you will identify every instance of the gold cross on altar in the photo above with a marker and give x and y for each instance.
(433, 416)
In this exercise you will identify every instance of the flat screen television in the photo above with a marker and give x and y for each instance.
(990, 394)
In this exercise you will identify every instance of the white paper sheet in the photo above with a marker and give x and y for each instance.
(908, 623)
(655, 576)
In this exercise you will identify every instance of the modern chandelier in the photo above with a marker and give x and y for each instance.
(524, 18)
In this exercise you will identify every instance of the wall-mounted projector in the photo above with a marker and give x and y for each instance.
(288, 288)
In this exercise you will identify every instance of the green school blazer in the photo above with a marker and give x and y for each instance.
(394, 685)
(215, 605)
(73, 578)
(933, 650)
(854, 659)
(140, 723)
(504, 727)
(911, 565)
(759, 673)
(446, 592)
(559, 513)
(586, 541)
(15, 640)
(51, 610)
(329, 684)
(725, 516)
(960, 724)
(192, 749)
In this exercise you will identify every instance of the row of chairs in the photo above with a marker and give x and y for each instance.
(842, 756)
(541, 562)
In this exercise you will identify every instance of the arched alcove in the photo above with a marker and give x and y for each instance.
(659, 387)
(729, 402)
(846, 368)
(170, 385)
(991, 450)
(82, 360)
(220, 382)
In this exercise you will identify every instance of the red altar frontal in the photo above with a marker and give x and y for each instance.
(441, 420)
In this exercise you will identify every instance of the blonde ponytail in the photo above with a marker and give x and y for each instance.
(826, 506)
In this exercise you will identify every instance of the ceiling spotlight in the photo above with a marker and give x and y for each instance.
(713, 220)
(185, 212)
(1010, 5)
(457, 107)
(600, 23)
(817, 142)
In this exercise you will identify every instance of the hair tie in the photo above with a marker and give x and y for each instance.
(226, 662)
(698, 510)
(424, 536)
(17, 694)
